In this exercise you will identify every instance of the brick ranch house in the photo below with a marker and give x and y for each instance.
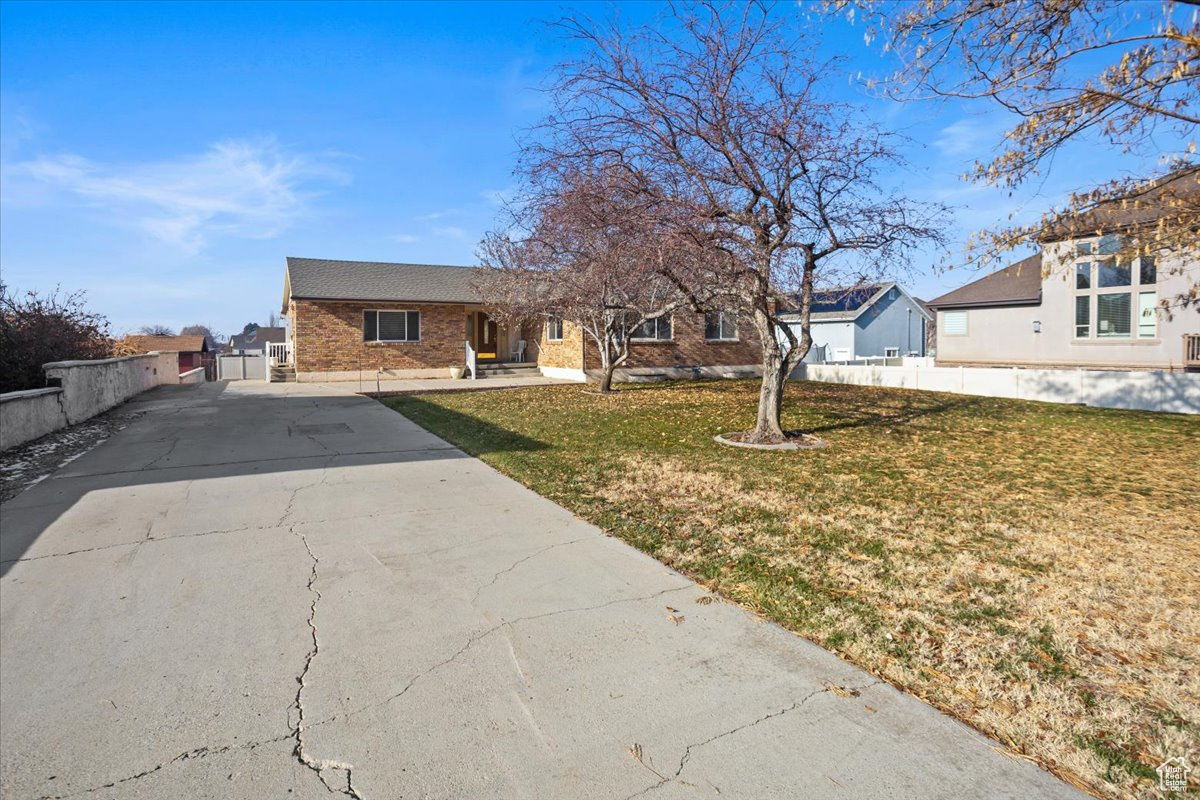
(348, 319)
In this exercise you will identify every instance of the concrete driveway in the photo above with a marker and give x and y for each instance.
(286, 591)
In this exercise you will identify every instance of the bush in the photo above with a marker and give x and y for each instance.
(36, 329)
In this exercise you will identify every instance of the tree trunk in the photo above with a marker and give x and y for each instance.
(606, 379)
(770, 395)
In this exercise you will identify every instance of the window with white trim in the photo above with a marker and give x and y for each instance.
(657, 329)
(720, 326)
(554, 329)
(891, 352)
(1114, 296)
(954, 323)
(391, 326)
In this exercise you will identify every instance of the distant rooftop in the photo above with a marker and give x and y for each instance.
(167, 344)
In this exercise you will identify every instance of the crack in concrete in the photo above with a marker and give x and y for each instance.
(170, 451)
(242, 462)
(189, 755)
(478, 635)
(687, 753)
(138, 542)
(518, 563)
(287, 509)
(319, 766)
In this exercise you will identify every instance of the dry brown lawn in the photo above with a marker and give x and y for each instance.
(1032, 569)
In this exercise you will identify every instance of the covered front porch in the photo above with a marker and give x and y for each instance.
(493, 349)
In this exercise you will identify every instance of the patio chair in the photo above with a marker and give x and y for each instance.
(518, 351)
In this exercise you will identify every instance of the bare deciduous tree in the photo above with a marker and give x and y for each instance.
(156, 330)
(211, 336)
(715, 106)
(585, 247)
(1112, 73)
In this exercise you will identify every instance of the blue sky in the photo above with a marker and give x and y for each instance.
(166, 157)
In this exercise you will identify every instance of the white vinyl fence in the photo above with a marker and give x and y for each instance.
(1176, 392)
(243, 368)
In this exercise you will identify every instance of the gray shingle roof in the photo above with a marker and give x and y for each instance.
(324, 279)
(1018, 284)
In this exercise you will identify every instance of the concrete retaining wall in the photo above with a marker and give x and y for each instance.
(1176, 392)
(84, 389)
(192, 376)
(29, 414)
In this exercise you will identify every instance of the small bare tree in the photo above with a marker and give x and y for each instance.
(776, 183)
(156, 330)
(36, 329)
(584, 247)
(1120, 75)
(211, 336)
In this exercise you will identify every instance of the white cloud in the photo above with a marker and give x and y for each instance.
(405, 238)
(450, 232)
(969, 136)
(236, 188)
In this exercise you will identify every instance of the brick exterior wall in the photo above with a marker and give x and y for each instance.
(565, 354)
(329, 337)
(687, 348)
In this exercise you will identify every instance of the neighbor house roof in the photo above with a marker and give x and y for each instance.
(1157, 199)
(1018, 284)
(256, 339)
(847, 303)
(167, 344)
(324, 279)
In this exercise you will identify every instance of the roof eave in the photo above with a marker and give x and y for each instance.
(1036, 301)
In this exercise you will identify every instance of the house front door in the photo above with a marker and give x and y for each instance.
(485, 336)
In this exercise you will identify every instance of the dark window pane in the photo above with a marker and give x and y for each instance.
(1083, 249)
(1113, 314)
(369, 326)
(712, 326)
(1149, 270)
(729, 326)
(1110, 273)
(1109, 244)
(392, 326)
(414, 326)
(1083, 275)
(1082, 316)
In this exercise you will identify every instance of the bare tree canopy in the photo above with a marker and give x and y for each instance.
(1126, 74)
(211, 336)
(37, 329)
(156, 330)
(715, 107)
(586, 247)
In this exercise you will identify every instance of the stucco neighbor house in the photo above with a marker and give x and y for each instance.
(864, 322)
(353, 318)
(1097, 313)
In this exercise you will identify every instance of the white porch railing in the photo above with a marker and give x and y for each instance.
(280, 353)
(470, 357)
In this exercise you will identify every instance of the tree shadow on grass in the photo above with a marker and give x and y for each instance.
(869, 415)
(473, 435)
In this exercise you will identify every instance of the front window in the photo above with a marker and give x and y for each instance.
(654, 329)
(1113, 315)
(1147, 315)
(954, 323)
(1108, 303)
(554, 329)
(391, 326)
(1083, 319)
(720, 326)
